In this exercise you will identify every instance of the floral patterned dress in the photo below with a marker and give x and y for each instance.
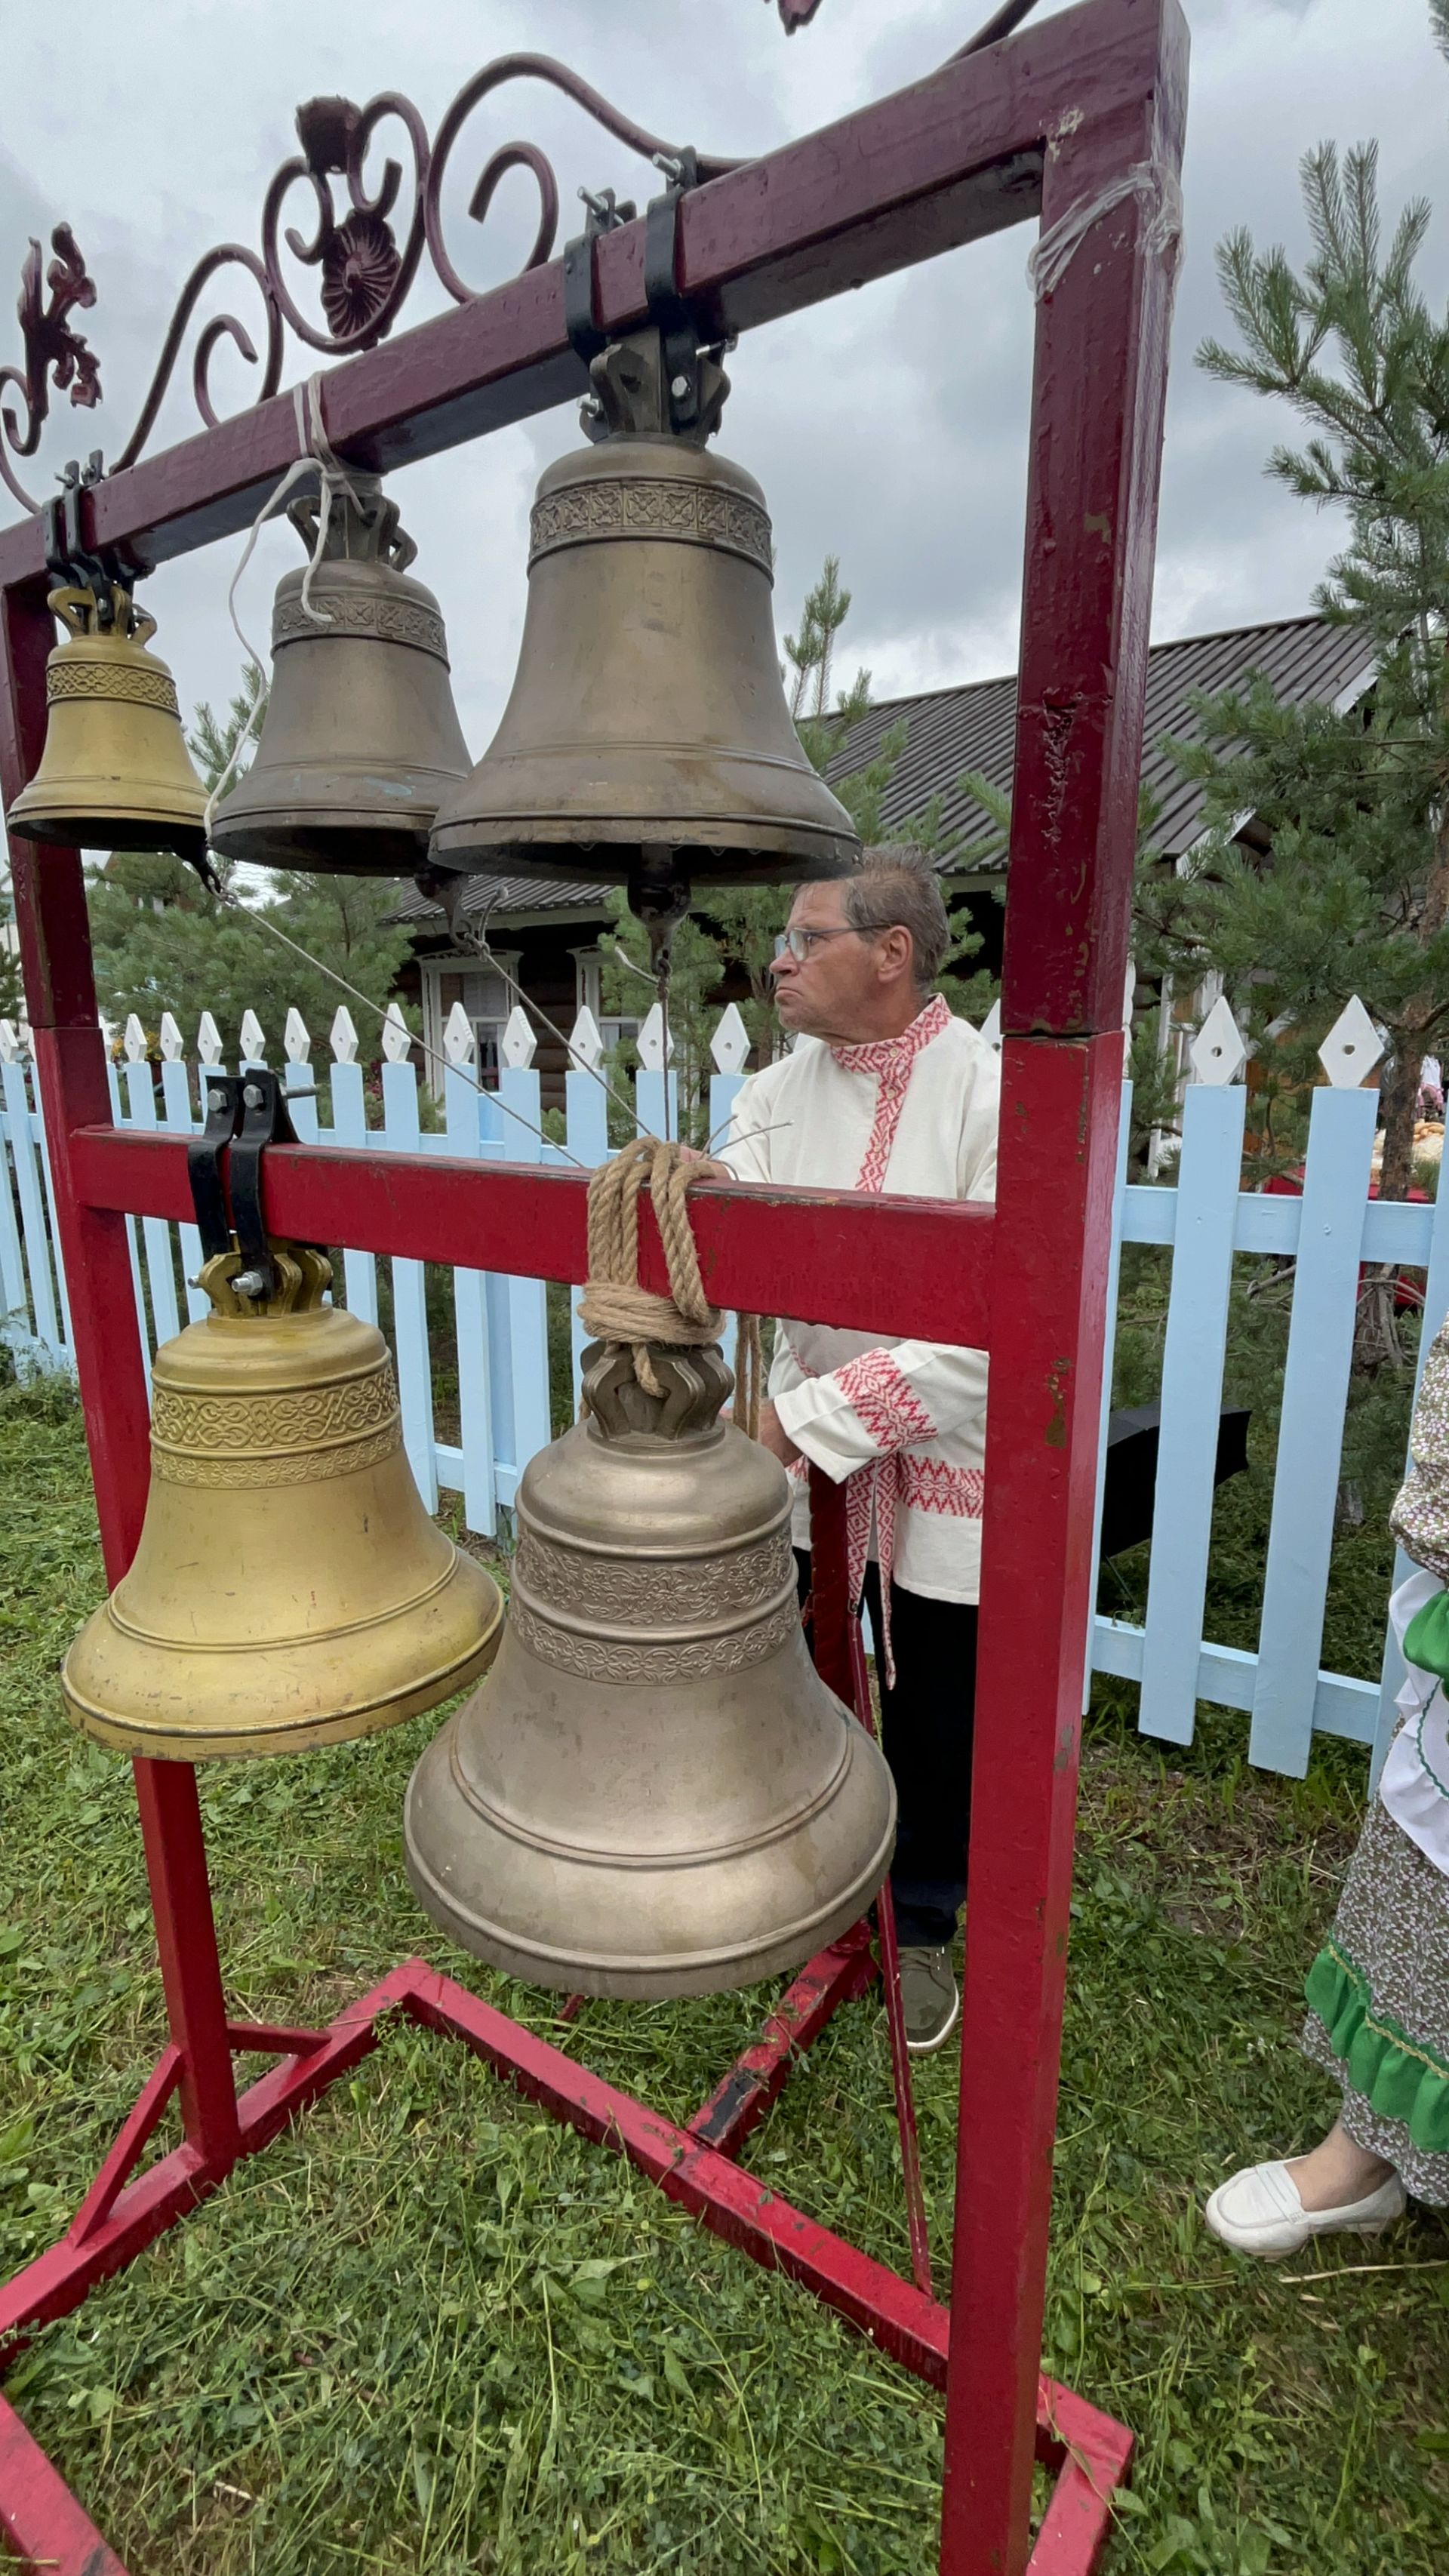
(1378, 1991)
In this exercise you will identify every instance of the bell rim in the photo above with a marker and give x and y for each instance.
(180, 1743)
(525, 841)
(722, 1968)
(323, 843)
(34, 819)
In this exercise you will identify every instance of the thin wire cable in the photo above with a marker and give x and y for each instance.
(368, 1004)
(482, 948)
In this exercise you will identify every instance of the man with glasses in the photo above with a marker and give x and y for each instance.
(885, 1089)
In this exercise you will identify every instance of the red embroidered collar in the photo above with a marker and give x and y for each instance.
(891, 1061)
(896, 1055)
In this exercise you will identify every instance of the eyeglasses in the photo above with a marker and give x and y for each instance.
(801, 942)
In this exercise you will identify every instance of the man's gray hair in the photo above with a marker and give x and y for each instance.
(896, 886)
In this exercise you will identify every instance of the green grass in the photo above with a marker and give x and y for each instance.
(429, 2331)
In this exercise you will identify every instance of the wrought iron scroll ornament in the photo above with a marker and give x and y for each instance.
(366, 244)
(367, 252)
(54, 353)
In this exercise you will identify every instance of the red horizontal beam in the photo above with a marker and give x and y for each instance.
(953, 157)
(908, 1267)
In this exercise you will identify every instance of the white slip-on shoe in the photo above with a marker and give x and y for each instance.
(1259, 2211)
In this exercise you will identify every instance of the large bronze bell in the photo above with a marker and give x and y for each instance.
(289, 1589)
(115, 773)
(361, 738)
(653, 1793)
(647, 734)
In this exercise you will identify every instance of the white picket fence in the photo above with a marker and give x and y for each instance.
(500, 1325)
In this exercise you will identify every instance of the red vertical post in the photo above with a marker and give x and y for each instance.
(55, 951)
(1100, 380)
(831, 1607)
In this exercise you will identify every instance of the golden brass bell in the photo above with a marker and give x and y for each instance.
(647, 731)
(361, 738)
(289, 1589)
(115, 773)
(653, 1793)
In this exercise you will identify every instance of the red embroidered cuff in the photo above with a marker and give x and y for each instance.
(885, 1400)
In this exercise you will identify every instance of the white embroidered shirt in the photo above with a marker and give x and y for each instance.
(902, 1421)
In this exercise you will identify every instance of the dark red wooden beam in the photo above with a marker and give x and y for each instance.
(875, 1264)
(951, 158)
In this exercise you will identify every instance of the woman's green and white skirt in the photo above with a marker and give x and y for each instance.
(1378, 1995)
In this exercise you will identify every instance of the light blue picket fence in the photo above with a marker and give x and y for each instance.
(500, 1325)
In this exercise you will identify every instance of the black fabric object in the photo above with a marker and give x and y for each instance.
(927, 1728)
(1129, 1483)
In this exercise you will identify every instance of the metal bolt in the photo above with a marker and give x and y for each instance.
(679, 387)
(253, 1095)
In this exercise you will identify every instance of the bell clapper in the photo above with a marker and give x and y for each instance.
(659, 893)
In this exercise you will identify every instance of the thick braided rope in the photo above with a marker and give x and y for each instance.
(617, 1309)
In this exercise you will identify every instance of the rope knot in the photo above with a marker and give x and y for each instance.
(616, 1309)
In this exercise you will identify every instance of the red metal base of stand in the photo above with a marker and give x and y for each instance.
(46, 2526)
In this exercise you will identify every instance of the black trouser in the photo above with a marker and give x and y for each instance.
(927, 1722)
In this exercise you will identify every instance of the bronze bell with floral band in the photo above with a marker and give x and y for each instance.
(647, 739)
(289, 1590)
(115, 773)
(361, 738)
(653, 1793)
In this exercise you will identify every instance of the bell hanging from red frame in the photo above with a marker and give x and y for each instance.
(115, 773)
(361, 738)
(653, 1793)
(647, 738)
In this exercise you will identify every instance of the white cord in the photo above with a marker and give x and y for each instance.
(317, 457)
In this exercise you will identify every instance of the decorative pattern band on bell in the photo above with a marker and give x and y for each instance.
(654, 1793)
(647, 733)
(115, 773)
(289, 1589)
(361, 739)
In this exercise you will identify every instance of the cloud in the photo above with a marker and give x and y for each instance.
(887, 427)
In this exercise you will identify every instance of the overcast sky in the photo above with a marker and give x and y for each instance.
(887, 427)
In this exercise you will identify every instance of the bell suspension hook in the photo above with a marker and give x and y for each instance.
(265, 1121)
(203, 1162)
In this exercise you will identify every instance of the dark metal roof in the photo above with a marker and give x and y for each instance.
(508, 895)
(951, 730)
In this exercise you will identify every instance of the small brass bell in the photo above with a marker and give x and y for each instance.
(647, 734)
(115, 773)
(289, 1589)
(361, 738)
(654, 1793)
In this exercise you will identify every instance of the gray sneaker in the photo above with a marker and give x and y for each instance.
(928, 1991)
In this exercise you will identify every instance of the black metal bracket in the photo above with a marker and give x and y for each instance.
(67, 557)
(265, 1121)
(203, 1161)
(602, 214)
(679, 334)
(245, 1112)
